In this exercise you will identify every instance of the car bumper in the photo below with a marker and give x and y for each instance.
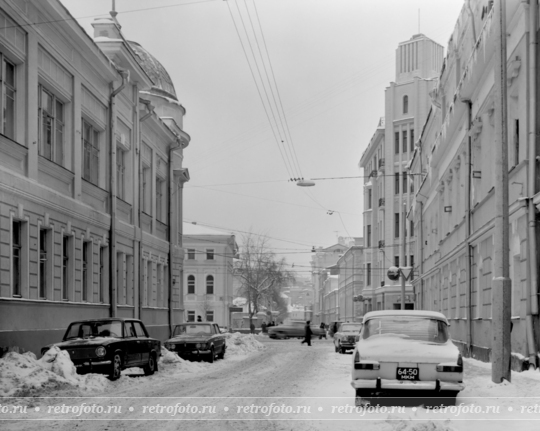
(383, 384)
(92, 366)
(346, 345)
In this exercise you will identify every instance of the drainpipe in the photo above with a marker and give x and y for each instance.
(469, 226)
(532, 286)
(112, 141)
(150, 111)
(172, 232)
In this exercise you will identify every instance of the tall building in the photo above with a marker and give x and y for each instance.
(91, 177)
(387, 189)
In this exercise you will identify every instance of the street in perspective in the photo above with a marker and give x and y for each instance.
(253, 214)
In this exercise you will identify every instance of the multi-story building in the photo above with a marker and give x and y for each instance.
(454, 208)
(91, 177)
(350, 269)
(388, 192)
(208, 273)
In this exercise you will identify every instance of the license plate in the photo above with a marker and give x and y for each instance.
(408, 374)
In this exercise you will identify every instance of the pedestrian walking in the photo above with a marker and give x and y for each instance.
(263, 327)
(307, 335)
(252, 328)
(323, 327)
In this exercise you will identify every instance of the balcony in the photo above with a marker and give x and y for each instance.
(381, 202)
(381, 243)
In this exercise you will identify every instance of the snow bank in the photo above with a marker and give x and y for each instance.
(404, 425)
(242, 344)
(171, 361)
(23, 374)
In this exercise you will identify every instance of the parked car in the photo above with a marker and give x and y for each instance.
(403, 350)
(197, 340)
(347, 336)
(107, 346)
(293, 329)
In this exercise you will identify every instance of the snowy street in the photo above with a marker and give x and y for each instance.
(261, 384)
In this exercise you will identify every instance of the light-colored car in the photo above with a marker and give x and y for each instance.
(347, 336)
(406, 350)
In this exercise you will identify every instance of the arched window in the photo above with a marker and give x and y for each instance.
(405, 104)
(209, 284)
(191, 284)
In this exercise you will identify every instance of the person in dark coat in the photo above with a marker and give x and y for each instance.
(307, 336)
(199, 319)
(263, 327)
(323, 327)
(252, 328)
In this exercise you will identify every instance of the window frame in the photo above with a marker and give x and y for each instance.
(190, 316)
(210, 254)
(405, 104)
(57, 149)
(7, 87)
(90, 152)
(210, 284)
(209, 315)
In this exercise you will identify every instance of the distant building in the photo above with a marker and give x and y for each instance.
(208, 273)
(91, 178)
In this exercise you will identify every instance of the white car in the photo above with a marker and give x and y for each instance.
(406, 350)
(346, 337)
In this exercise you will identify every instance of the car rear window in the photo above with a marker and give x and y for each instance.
(192, 329)
(415, 328)
(350, 328)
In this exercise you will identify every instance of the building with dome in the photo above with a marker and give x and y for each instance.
(91, 178)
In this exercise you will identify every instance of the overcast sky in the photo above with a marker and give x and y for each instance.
(330, 60)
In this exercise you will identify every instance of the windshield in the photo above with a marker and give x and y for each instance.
(192, 330)
(415, 328)
(350, 328)
(94, 329)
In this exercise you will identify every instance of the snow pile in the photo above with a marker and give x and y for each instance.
(404, 425)
(170, 360)
(242, 344)
(23, 374)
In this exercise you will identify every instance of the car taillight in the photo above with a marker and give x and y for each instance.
(357, 356)
(460, 361)
(447, 368)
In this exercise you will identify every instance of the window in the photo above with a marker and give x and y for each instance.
(210, 285)
(405, 178)
(102, 274)
(368, 274)
(90, 142)
(209, 315)
(396, 261)
(43, 257)
(396, 225)
(65, 267)
(146, 190)
(159, 198)
(149, 282)
(405, 104)
(16, 247)
(396, 142)
(368, 235)
(370, 192)
(411, 182)
(404, 134)
(516, 142)
(396, 183)
(411, 132)
(209, 254)
(191, 316)
(411, 257)
(7, 79)
(120, 173)
(139, 330)
(191, 254)
(51, 126)
(85, 270)
(191, 284)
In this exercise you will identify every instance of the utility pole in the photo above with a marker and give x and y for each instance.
(501, 287)
(403, 254)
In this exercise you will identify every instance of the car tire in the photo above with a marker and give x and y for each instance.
(116, 367)
(211, 356)
(339, 348)
(150, 367)
(222, 353)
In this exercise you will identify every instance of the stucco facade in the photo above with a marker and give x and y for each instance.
(454, 208)
(91, 179)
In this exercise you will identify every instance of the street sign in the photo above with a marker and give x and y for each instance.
(406, 271)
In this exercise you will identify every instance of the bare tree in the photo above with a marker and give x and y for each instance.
(261, 275)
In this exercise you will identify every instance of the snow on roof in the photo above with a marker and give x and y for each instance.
(412, 313)
(195, 229)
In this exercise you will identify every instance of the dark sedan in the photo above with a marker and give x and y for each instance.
(108, 346)
(294, 329)
(197, 340)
